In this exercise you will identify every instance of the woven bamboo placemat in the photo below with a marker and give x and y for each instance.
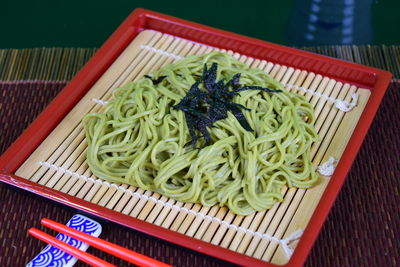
(361, 230)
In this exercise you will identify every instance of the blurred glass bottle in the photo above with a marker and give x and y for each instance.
(323, 22)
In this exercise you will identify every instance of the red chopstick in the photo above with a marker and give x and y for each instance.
(82, 255)
(111, 248)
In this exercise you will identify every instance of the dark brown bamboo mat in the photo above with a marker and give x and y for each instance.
(42, 63)
(361, 230)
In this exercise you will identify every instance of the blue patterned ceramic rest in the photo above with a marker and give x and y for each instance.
(51, 256)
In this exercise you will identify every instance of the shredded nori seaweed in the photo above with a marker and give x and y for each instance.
(203, 108)
(155, 81)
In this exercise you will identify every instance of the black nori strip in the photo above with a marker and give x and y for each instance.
(240, 117)
(234, 82)
(209, 77)
(190, 122)
(155, 81)
(244, 88)
(217, 112)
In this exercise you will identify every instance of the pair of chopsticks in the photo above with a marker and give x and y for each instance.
(111, 248)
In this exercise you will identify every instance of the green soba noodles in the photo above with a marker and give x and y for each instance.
(139, 139)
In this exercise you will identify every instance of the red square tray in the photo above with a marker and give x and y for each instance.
(140, 19)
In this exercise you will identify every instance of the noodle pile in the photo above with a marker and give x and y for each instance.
(139, 139)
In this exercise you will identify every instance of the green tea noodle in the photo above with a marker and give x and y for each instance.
(139, 139)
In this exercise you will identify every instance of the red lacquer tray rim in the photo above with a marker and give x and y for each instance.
(140, 19)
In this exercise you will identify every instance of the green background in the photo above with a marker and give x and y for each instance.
(45, 23)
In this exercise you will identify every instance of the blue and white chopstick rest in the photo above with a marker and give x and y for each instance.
(51, 256)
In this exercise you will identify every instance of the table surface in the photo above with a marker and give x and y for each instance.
(361, 229)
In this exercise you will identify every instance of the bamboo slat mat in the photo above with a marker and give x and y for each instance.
(40, 91)
(60, 161)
